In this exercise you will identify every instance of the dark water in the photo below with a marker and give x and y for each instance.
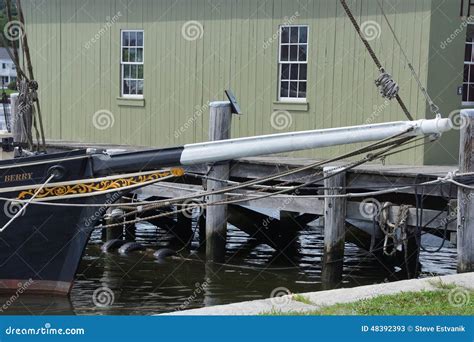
(138, 285)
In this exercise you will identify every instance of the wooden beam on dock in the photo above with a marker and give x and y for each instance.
(304, 204)
(220, 122)
(369, 177)
(279, 234)
(334, 227)
(465, 238)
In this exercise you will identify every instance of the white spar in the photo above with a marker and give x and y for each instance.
(215, 151)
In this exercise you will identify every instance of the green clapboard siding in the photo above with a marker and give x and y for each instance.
(238, 50)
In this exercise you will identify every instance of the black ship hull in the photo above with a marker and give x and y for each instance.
(41, 249)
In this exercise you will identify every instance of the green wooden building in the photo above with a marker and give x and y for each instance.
(141, 72)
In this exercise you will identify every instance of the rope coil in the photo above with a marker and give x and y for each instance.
(394, 231)
(388, 88)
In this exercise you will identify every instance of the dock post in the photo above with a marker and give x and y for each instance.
(334, 228)
(465, 223)
(216, 216)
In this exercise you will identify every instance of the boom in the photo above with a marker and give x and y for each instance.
(223, 150)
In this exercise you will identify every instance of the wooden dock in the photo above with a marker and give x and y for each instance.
(369, 177)
(427, 209)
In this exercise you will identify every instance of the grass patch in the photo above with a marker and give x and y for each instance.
(442, 286)
(447, 301)
(302, 299)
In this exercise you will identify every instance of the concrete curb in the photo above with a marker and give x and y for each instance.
(331, 297)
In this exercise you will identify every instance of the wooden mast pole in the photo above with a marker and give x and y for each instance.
(26, 50)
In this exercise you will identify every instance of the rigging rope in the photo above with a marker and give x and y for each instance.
(433, 107)
(200, 194)
(235, 201)
(373, 55)
(131, 206)
(23, 208)
(23, 119)
(369, 148)
(393, 230)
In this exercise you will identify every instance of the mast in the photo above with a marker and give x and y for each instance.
(32, 84)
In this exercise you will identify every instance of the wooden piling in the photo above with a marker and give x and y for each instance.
(334, 228)
(465, 230)
(216, 216)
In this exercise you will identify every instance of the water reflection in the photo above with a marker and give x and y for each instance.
(143, 286)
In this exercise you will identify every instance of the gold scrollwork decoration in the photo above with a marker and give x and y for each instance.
(104, 185)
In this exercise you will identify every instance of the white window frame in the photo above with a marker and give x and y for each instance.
(122, 65)
(471, 69)
(280, 64)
